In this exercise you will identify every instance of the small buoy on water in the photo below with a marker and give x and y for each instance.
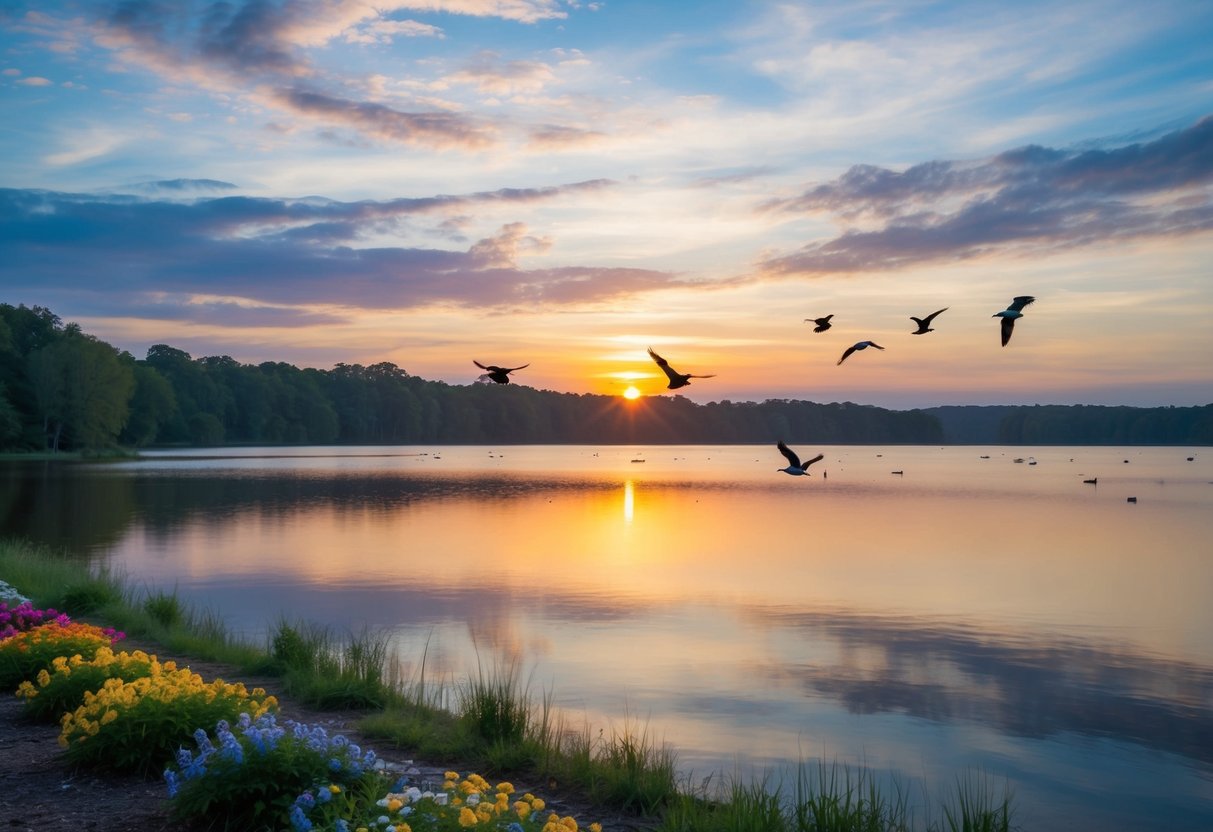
(1132, 500)
(1094, 481)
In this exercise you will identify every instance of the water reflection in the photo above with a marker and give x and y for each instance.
(970, 611)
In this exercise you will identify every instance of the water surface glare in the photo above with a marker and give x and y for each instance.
(923, 611)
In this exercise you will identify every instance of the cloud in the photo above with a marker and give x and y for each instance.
(264, 51)
(1031, 198)
(182, 186)
(438, 128)
(36, 81)
(277, 252)
(490, 75)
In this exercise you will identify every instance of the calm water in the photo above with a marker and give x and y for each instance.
(969, 613)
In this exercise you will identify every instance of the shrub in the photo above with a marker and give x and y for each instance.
(462, 803)
(138, 726)
(247, 778)
(24, 654)
(63, 688)
(165, 609)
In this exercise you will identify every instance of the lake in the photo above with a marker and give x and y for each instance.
(925, 612)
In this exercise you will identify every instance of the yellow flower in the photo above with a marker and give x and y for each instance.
(569, 823)
(538, 805)
(467, 817)
(451, 775)
(44, 678)
(448, 785)
(595, 827)
(26, 691)
(394, 804)
(506, 788)
(335, 789)
(522, 808)
(108, 717)
(403, 827)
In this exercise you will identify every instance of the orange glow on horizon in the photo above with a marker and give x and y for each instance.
(631, 393)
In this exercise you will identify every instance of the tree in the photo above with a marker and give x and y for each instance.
(152, 406)
(83, 390)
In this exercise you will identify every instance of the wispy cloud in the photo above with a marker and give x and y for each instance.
(286, 252)
(1033, 197)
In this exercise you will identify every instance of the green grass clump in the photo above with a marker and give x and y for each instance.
(358, 673)
(975, 807)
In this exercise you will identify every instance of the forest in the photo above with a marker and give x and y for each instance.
(63, 389)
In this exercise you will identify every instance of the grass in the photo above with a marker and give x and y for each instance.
(491, 721)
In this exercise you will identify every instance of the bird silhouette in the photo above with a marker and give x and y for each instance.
(1008, 315)
(822, 324)
(924, 324)
(677, 379)
(862, 345)
(795, 467)
(501, 375)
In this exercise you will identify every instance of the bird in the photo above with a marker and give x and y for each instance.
(924, 324)
(862, 345)
(822, 324)
(1008, 315)
(501, 375)
(795, 467)
(677, 379)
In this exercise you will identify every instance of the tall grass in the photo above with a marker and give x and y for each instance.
(492, 719)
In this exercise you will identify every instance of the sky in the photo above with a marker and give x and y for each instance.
(564, 184)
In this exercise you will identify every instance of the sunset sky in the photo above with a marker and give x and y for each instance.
(565, 183)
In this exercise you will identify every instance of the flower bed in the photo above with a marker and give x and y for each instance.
(26, 652)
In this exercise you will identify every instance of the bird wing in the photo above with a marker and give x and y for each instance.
(481, 366)
(922, 324)
(874, 344)
(931, 317)
(789, 454)
(664, 365)
(849, 350)
(817, 458)
(1008, 324)
(512, 369)
(709, 375)
(1020, 302)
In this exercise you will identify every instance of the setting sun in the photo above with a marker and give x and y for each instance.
(631, 393)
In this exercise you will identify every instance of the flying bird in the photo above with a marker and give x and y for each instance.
(1008, 315)
(822, 324)
(677, 379)
(862, 345)
(795, 467)
(924, 324)
(501, 375)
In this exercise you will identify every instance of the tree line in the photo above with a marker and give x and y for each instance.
(63, 389)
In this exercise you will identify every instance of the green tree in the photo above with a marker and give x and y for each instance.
(152, 406)
(83, 390)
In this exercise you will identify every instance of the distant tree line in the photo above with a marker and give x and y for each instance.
(1075, 425)
(62, 389)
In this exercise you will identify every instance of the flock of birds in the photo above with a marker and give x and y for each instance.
(1013, 312)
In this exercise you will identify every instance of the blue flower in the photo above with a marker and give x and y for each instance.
(173, 781)
(299, 820)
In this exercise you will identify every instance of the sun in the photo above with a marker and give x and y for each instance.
(631, 393)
